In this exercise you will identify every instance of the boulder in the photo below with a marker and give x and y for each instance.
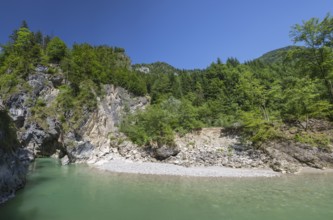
(65, 160)
(284, 166)
(165, 152)
(80, 153)
(57, 81)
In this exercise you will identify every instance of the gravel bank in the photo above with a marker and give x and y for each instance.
(123, 166)
(310, 170)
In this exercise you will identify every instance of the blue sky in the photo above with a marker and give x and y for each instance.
(184, 33)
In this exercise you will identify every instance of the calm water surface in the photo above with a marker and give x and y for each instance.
(78, 192)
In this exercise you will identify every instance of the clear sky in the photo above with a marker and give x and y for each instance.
(184, 33)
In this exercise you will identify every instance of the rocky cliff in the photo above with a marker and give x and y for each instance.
(13, 159)
(100, 130)
(37, 134)
(97, 137)
(41, 132)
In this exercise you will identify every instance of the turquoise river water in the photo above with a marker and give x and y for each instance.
(78, 192)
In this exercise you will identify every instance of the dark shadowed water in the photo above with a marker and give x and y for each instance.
(78, 192)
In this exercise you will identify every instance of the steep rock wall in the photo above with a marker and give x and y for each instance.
(13, 159)
(41, 139)
(101, 128)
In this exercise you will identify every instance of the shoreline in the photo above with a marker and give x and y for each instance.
(310, 170)
(150, 168)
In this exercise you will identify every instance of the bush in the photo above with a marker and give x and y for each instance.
(7, 82)
(258, 129)
(159, 122)
(73, 106)
(314, 139)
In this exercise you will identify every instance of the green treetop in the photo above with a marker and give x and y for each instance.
(56, 50)
(317, 58)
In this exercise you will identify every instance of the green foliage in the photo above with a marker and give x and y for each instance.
(39, 113)
(292, 84)
(258, 129)
(7, 83)
(232, 62)
(22, 54)
(261, 94)
(65, 98)
(24, 40)
(252, 92)
(320, 140)
(102, 64)
(276, 56)
(152, 125)
(129, 80)
(71, 107)
(302, 101)
(316, 59)
(158, 123)
(56, 50)
(314, 33)
(87, 95)
(10, 84)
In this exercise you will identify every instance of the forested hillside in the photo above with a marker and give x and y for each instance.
(261, 99)
(276, 56)
(290, 88)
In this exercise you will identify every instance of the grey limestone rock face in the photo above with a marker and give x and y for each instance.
(39, 141)
(95, 135)
(13, 161)
(212, 147)
(65, 160)
(17, 109)
(289, 157)
(80, 153)
(41, 69)
(91, 140)
(12, 175)
(39, 82)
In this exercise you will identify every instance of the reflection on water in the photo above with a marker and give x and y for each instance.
(80, 192)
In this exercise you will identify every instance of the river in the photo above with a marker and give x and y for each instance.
(79, 192)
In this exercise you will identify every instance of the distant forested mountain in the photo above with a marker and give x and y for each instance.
(276, 56)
